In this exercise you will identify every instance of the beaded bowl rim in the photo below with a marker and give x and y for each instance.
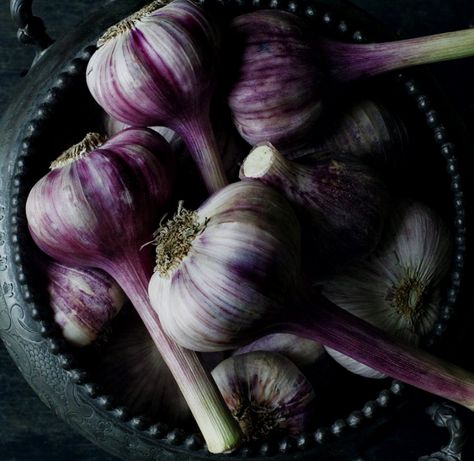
(158, 434)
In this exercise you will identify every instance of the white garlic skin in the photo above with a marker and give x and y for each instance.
(266, 393)
(398, 288)
(250, 233)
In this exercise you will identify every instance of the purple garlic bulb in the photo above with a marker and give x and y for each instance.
(266, 393)
(98, 207)
(341, 204)
(158, 67)
(84, 300)
(276, 93)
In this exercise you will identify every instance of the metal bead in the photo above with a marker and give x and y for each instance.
(66, 361)
(78, 376)
(370, 409)
(411, 87)
(310, 11)
(105, 402)
(383, 398)
(355, 419)
(267, 449)
(158, 430)
(139, 423)
(338, 427)
(285, 445)
(120, 413)
(321, 435)
(92, 390)
(303, 441)
(194, 442)
(176, 437)
(423, 102)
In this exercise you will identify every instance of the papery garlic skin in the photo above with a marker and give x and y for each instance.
(83, 300)
(246, 228)
(266, 393)
(276, 96)
(397, 288)
(341, 204)
(140, 155)
(158, 68)
(302, 352)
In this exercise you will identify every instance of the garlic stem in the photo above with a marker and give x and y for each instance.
(219, 429)
(349, 62)
(321, 320)
(201, 141)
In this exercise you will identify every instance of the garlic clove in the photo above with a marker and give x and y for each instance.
(266, 393)
(398, 287)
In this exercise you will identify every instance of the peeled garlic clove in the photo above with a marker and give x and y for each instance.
(302, 352)
(276, 96)
(341, 204)
(398, 288)
(266, 393)
(158, 67)
(84, 300)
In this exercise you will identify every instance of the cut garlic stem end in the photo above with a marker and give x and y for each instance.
(259, 161)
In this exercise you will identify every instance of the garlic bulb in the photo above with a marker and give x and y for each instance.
(302, 352)
(216, 246)
(230, 272)
(158, 67)
(341, 204)
(365, 129)
(397, 288)
(266, 393)
(131, 367)
(276, 96)
(83, 300)
(97, 207)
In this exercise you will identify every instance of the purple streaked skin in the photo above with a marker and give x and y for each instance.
(276, 91)
(98, 211)
(246, 282)
(84, 300)
(162, 72)
(341, 204)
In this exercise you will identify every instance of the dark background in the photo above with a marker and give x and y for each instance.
(29, 431)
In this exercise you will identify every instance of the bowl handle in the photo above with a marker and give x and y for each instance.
(31, 29)
(444, 415)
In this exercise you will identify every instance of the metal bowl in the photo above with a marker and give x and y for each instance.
(53, 110)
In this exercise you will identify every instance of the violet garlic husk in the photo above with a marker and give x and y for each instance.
(84, 300)
(98, 207)
(302, 352)
(275, 95)
(366, 129)
(230, 272)
(398, 288)
(266, 393)
(341, 204)
(158, 67)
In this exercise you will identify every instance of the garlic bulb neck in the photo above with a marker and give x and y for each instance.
(129, 22)
(174, 239)
(90, 142)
